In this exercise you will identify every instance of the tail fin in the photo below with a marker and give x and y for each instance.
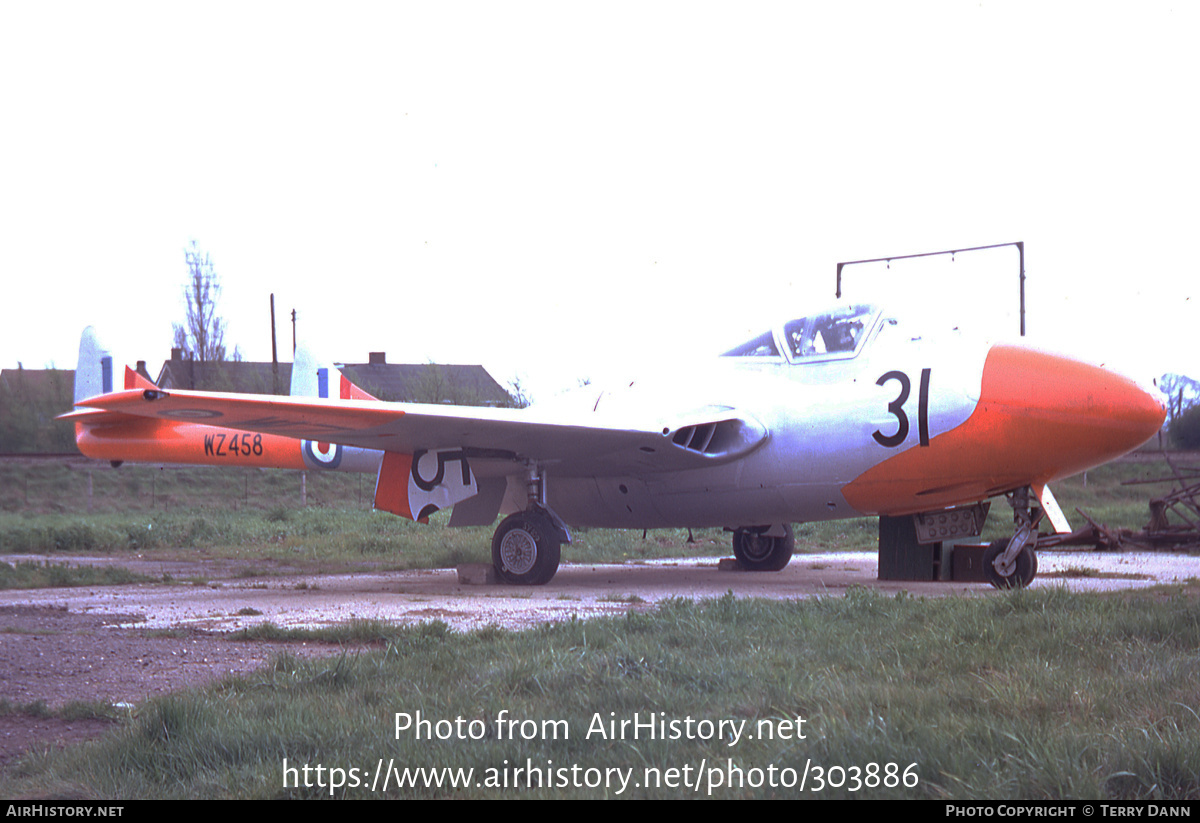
(94, 373)
(310, 379)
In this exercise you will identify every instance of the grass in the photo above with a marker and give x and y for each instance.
(75, 710)
(1086, 572)
(1032, 694)
(32, 575)
(615, 597)
(58, 487)
(354, 632)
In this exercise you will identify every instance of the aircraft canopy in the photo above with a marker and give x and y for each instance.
(836, 334)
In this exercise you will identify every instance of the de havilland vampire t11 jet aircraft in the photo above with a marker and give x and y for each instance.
(841, 413)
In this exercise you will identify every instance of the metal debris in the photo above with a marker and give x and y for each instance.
(1183, 501)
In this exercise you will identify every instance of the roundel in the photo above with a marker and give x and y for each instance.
(322, 455)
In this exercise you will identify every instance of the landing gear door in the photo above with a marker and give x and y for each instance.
(417, 485)
(1053, 511)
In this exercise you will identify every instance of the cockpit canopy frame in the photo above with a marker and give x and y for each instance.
(838, 333)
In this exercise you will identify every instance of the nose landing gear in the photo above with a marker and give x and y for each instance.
(1012, 563)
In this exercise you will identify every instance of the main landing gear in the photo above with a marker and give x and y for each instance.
(527, 545)
(763, 548)
(1012, 563)
(526, 548)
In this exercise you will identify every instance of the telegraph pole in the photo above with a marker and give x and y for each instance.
(274, 352)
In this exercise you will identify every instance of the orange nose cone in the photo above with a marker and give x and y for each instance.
(1040, 417)
(1067, 415)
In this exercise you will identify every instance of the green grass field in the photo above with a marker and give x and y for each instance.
(1038, 695)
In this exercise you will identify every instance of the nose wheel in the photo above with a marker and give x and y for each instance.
(1016, 573)
(1012, 563)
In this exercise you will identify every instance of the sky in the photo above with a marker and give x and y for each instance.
(561, 190)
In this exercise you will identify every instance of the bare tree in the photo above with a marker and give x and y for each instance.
(518, 394)
(1183, 392)
(204, 334)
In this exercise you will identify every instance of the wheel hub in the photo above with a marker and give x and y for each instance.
(518, 551)
(757, 546)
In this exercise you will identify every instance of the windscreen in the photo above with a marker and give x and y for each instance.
(838, 332)
(761, 346)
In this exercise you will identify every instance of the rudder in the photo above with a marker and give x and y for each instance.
(94, 372)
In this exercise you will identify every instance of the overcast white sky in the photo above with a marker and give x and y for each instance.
(549, 188)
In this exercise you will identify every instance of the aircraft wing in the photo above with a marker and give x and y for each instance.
(570, 447)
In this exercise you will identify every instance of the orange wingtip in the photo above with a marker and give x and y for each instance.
(133, 380)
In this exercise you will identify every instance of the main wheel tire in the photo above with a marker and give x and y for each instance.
(1024, 569)
(526, 549)
(757, 552)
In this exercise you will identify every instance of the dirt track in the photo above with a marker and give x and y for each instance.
(107, 642)
(230, 601)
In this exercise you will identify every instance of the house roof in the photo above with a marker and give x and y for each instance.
(227, 375)
(428, 383)
(403, 382)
